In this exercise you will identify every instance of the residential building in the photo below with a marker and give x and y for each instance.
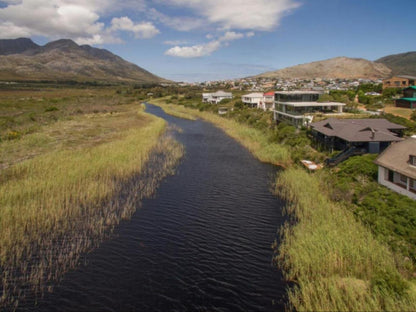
(371, 135)
(299, 107)
(215, 98)
(253, 99)
(409, 98)
(402, 81)
(397, 167)
(268, 101)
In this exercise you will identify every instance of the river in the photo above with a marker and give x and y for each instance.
(202, 244)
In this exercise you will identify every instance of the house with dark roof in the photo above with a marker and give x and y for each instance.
(409, 98)
(369, 135)
(397, 167)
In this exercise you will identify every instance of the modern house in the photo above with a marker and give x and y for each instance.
(371, 135)
(215, 98)
(402, 81)
(253, 99)
(409, 98)
(299, 107)
(397, 167)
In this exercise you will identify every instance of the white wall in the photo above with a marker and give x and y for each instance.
(383, 180)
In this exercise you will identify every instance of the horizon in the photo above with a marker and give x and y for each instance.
(195, 41)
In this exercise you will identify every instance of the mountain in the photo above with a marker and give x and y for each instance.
(14, 46)
(400, 64)
(339, 67)
(22, 59)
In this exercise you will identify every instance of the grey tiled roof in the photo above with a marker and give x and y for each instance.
(396, 157)
(359, 130)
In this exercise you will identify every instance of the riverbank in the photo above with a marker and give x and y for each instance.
(332, 258)
(84, 171)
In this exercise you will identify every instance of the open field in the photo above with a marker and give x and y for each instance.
(399, 111)
(69, 180)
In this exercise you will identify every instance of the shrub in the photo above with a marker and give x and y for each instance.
(51, 109)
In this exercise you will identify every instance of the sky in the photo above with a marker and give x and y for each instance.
(204, 40)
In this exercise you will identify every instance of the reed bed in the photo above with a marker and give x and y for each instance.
(253, 139)
(334, 261)
(60, 204)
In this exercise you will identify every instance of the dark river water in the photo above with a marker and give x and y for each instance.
(202, 244)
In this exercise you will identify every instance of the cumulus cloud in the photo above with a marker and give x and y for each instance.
(75, 19)
(141, 30)
(207, 48)
(236, 14)
(194, 51)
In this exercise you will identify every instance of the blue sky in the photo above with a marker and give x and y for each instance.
(199, 40)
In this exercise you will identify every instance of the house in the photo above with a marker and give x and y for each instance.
(268, 101)
(253, 99)
(397, 167)
(409, 98)
(299, 107)
(402, 81)
(215, 98)
(371, 135)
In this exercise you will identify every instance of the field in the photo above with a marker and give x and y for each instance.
(399, 111)
(74, 162)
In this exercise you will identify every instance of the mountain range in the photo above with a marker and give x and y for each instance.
(22, 59)
(350, 68)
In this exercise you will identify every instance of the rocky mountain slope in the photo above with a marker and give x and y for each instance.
(400, 64)
(339, 67)
(22, 59)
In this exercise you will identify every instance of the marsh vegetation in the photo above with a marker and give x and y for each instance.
(74, 162)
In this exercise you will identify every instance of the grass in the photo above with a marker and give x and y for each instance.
(334, 260)
(84, 174)
(399, 111)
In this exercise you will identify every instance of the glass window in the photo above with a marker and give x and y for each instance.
(403, 179)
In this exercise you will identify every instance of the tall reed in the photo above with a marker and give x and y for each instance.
(56, 206)
(334, 261)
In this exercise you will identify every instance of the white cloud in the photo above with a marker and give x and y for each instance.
(236, 14)
(75, 19)
(181, 23)
(141, 30)
(207, 48)
(194, 51)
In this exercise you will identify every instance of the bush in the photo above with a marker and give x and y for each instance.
(51, 109)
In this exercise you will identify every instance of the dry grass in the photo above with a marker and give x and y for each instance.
(399, 111)
(84, 174)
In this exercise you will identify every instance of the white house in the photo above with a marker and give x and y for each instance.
(252, 99)
(397, 167)
(264, 101)
(215, 98)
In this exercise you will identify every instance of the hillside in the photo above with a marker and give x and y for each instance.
(400, 64)
(339, 67)
(21, 59)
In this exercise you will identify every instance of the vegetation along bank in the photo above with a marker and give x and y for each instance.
(349, 242)
(74, 163)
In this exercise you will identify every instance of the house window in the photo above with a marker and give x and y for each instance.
(412, 160)
(391, 176)
(403, 179)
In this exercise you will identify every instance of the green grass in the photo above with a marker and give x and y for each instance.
(334, 260)
(63, 197)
